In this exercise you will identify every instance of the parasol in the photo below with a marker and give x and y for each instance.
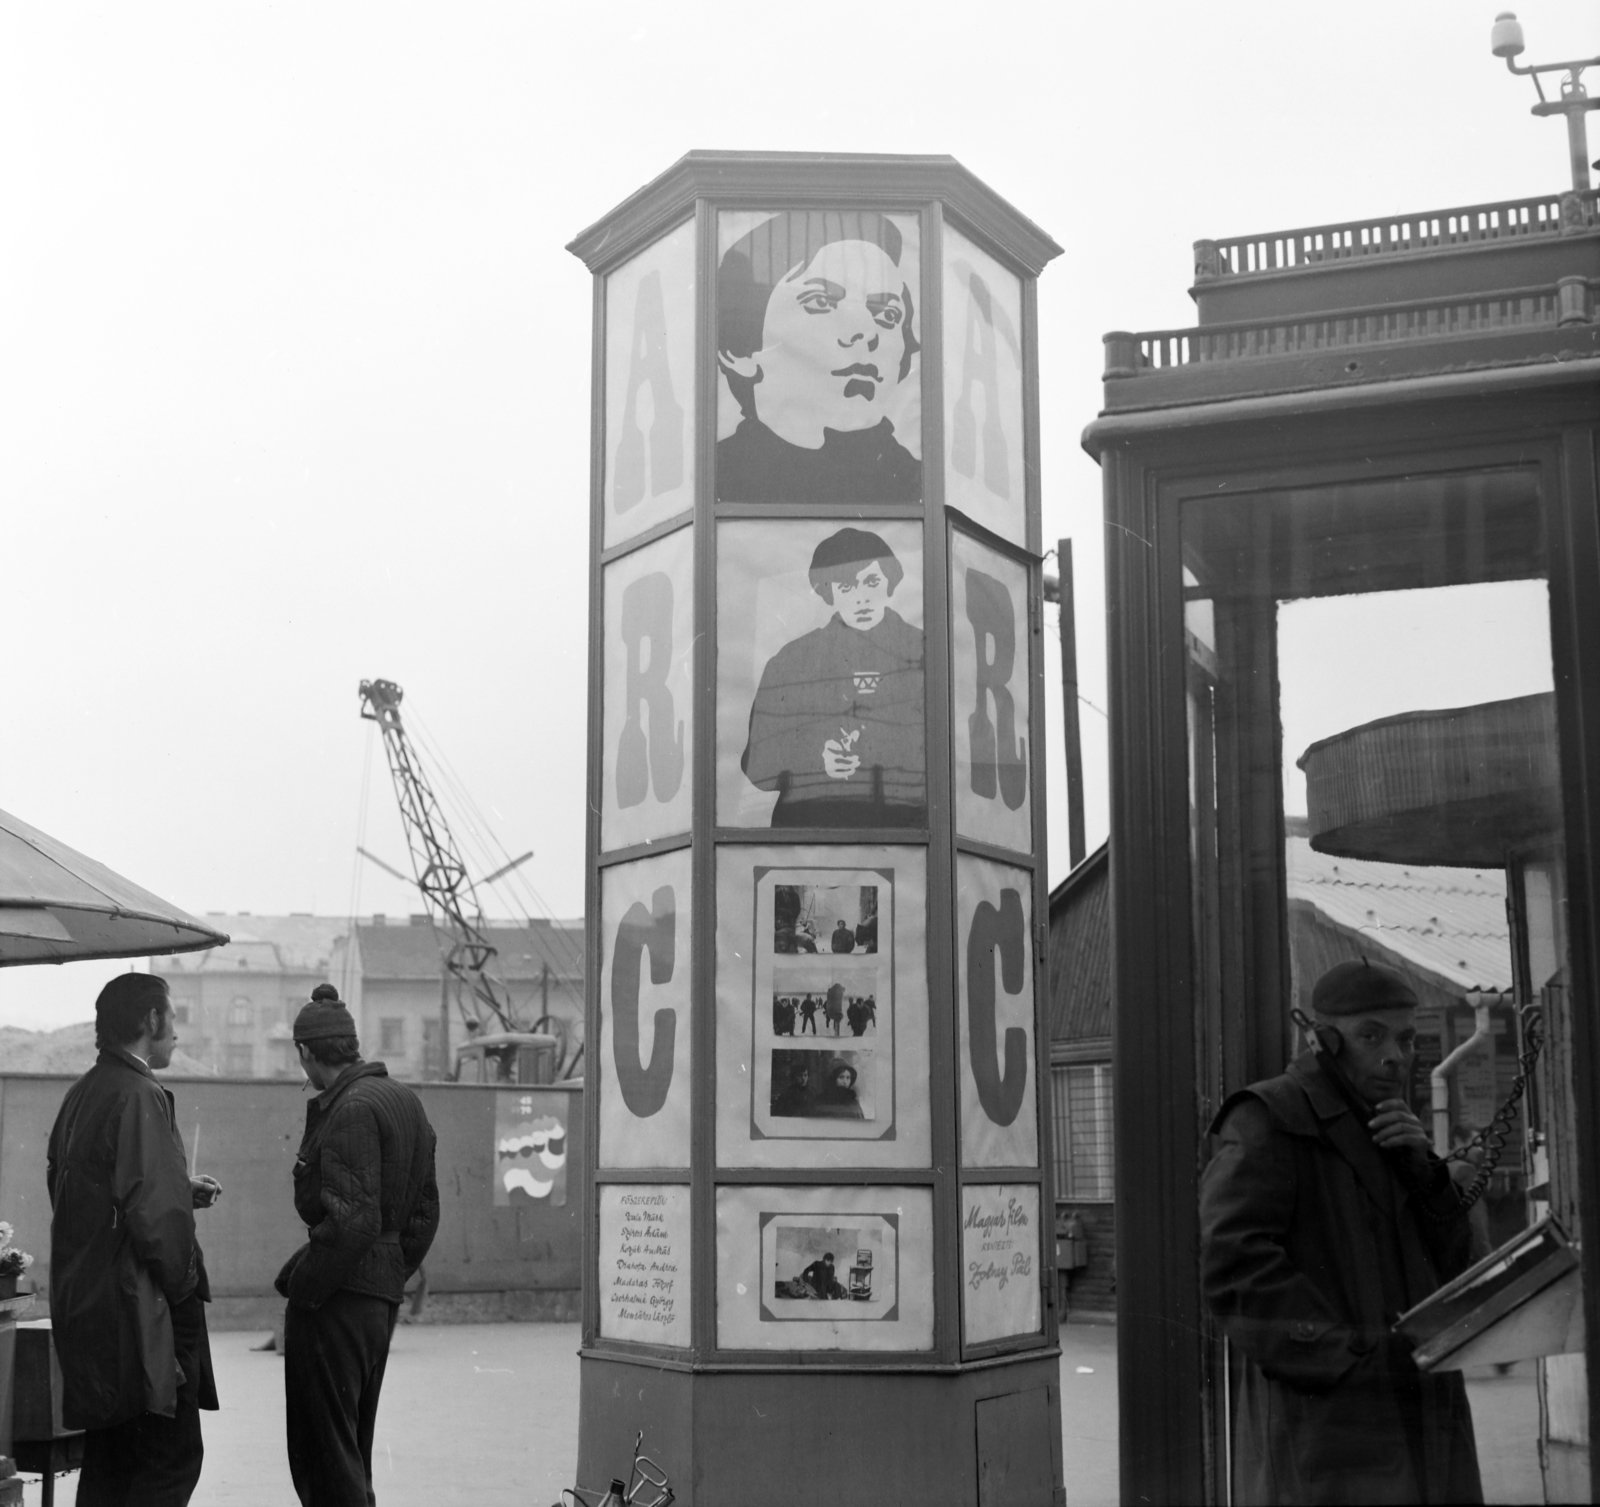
(56, 906)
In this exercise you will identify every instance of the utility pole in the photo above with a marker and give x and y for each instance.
(1060, 591)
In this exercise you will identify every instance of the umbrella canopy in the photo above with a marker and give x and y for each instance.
(56, 906)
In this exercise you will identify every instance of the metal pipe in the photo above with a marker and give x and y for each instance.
(1439, 1078)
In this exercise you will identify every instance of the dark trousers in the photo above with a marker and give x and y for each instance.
(153, 1461)
(333, 1364)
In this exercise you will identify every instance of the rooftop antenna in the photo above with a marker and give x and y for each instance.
(1506, 42)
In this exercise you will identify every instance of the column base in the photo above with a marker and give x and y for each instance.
(980, 1437)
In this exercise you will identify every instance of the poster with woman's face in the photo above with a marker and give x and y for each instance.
(649, 439)
(820, 685)
(819, 393)
(985, 471)
(817, 1063)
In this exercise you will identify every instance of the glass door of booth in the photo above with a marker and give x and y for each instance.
(1372, 770)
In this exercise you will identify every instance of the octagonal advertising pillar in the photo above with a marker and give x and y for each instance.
(818, 1199)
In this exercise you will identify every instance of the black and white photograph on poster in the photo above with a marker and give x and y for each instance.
(807, 1005)
(826, 996)
(820, 676)
(650, 387)
(817, 1063)
(818, 1259)
(820, 397)
(985, 472)
(822, 1085)
(990, 703)
(824, 1268)
(825, 918)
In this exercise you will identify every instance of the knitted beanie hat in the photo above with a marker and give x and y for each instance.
(325, 1016)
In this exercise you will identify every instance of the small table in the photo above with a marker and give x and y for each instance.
(41, 1442)
(48, 1457)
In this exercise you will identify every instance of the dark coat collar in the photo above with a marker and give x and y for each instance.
(356, 1070)
(1345, 1132)
(125, 1058)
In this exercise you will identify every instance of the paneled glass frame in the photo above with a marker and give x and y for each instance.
(907, 1167)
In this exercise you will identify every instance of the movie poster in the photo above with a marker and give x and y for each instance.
(990, 701)
(802, 1268)
(996, 1024)
(650, 323)
(985, 468)
(819, 1064)
(819, 397)
(641, 1068)
(647, 699)
(530, 1147)
(1000, 1256)
(644, 1263)
(821, 713)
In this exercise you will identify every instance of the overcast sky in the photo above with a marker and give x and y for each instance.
(295, 370)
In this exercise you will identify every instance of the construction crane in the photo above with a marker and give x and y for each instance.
(441, 875)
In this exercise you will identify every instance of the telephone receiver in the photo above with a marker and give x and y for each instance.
(1328, 1043)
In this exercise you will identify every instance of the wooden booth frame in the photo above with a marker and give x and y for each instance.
(1174, 1067)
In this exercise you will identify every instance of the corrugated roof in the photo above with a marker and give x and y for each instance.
(406, 951)
(1080, 951)
(1450, 922)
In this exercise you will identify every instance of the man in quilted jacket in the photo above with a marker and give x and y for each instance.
(364, 1184)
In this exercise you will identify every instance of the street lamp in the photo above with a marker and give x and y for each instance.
(1506, 42)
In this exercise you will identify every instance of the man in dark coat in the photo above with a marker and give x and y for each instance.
(1324, 1216)
(127, 1282)
(836, 726)
(364, 1184)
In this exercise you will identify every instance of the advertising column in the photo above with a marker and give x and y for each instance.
(816, 1192)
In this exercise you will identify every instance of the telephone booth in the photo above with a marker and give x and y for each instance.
(1354, 593)
(815, 1231)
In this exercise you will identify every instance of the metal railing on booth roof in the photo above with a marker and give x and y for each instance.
(1571, 301)
(1395, 235)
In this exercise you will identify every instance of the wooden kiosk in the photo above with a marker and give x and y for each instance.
(816, 1266)
(1360, 491)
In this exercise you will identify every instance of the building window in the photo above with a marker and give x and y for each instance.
(239, 1011)
(1084, 1158)
(392, 1033)
(239, 1059)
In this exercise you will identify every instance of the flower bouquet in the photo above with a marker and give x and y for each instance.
(13, 1262)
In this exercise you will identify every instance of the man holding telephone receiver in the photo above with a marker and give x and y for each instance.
(1325, 1215)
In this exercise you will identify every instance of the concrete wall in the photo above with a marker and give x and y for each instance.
(487, 1262)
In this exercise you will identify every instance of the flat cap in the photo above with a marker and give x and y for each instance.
(1350, 988)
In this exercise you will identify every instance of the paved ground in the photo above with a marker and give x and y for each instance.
(488, 1414)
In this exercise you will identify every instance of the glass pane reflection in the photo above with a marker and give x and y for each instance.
(1375, 811)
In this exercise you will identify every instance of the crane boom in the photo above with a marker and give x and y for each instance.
(447, 888)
